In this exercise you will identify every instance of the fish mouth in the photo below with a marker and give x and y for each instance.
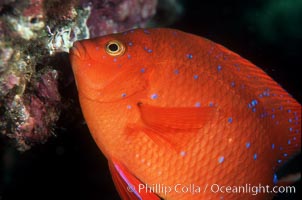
(77, 50)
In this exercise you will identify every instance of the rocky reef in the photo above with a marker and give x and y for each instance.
(34, 34)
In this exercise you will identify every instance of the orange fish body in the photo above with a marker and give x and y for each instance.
(181, 117)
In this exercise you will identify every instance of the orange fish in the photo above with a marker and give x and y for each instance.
(181, 117)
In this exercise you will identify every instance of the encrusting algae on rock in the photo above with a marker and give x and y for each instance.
(32, 35)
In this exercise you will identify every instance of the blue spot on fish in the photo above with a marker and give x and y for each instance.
(130, 44)
(148, 50)
(146, 31)
(143, 70)
(221, 159)
(279, 161)
(154, 96)
(290, 120)
(254, 102)
(248, 145)
(176, 71)
(124, 95)
(195, 77)
(252, 105)
(290, 129)
(266, 93)
(129, 56)
(230, 120)
(275, 179)
(273, 116)
(129, 107)
(289, 142)
(183, 153)
(255, 156)
(197, 104)
(190, 56)
(114, 59)
(285, 154)
(211, 104)
(232, 84)
(219, 68)
(273, 146)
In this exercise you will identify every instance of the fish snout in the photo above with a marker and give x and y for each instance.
(77, 50)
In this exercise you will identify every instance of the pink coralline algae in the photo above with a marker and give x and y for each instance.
(112, 16)
(39, 112)
(34, 35)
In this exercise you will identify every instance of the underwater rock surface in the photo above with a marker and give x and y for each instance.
(118, 15)
(32, 33)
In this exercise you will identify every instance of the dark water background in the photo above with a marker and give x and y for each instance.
(266, 32)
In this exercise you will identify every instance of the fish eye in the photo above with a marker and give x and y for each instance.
(115, 48)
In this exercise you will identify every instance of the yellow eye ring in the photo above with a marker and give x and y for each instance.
(115, 48)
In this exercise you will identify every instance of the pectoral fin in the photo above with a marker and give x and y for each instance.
(178, 118)
(172, 127)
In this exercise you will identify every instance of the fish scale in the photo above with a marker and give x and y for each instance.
(172, 108)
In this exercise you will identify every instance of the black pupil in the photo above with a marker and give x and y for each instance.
(113, 47)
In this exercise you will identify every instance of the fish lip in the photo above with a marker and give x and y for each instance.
(77, 50)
